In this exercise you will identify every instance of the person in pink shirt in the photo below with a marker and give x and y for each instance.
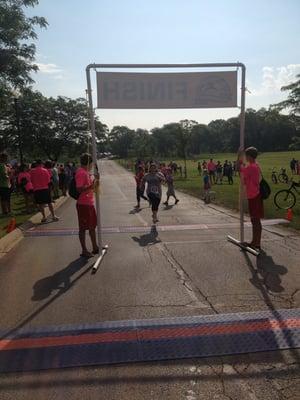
(212, 167)
(24, 182)
(87, 218)
(251, 178)
(40, 179)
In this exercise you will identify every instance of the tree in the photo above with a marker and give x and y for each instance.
(120, 140)
(295, 145)
(51, 127)
(17, 51)
(142, 145)
(184, 133)
(165, 140)
(292, 103)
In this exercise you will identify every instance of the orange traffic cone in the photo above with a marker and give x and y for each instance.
(12, 225)
(289, 214)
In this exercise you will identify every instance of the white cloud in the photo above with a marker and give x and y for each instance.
(273, 78)
(49, 68)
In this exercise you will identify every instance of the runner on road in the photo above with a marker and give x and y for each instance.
(87, 217)
(171, 190)
(140, 187)
(154, 180)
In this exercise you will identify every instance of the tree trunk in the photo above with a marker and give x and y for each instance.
(185, 169)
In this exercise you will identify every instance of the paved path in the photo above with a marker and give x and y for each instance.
(146, 275)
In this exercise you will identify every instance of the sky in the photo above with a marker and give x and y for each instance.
(263, 34)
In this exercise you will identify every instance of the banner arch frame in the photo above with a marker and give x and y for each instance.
(237, 65)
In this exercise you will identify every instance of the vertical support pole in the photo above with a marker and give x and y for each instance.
(94, 153)
(242, 146)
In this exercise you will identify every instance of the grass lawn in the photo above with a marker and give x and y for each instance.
(227, 195)
(18, 211)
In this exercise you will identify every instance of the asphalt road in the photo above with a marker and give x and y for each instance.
(173, 273)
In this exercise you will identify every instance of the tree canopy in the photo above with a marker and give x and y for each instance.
(268, 130)
(50, 127)
(292, 103)
(17, 48)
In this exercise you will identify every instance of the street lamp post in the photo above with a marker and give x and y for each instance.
(17, 112)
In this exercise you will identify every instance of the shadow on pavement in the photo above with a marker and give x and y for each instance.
(270, 281)
(168, 207)
(61, 280)
(137, 210)
(26, 319)
(150, 238)
(269, 273)
(130, 375)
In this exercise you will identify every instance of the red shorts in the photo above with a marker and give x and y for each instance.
(256, 207)
(87, 217)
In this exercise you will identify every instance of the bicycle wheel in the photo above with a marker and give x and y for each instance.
(283, 178)
(284, 199)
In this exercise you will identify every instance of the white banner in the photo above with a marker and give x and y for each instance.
(167, 90)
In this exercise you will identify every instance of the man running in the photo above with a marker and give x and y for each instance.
(154, 180)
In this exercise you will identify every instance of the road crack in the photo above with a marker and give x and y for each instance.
(194, 292)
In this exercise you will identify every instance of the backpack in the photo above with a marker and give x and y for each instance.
(73, 192)
(264, 189)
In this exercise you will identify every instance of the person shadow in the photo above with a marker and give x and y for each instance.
(60, 281)
(150, 238)
(168, 207)
(135, 211)
(268, 274)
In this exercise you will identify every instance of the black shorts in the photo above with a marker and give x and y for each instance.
(42, 196)
(24, 191)
(154, 200)
(5, 193)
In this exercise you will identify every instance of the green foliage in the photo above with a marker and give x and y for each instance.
(295, 145)
(120, 140)
(49, 127)
(268, 130)
(17, 50)
(292, 103)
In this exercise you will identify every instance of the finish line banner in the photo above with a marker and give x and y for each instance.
(166, 90)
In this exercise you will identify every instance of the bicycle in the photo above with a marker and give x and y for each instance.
(286, 198)
(283, 177)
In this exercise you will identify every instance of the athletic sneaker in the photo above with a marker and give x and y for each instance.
(44, 220)
(55, 218)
